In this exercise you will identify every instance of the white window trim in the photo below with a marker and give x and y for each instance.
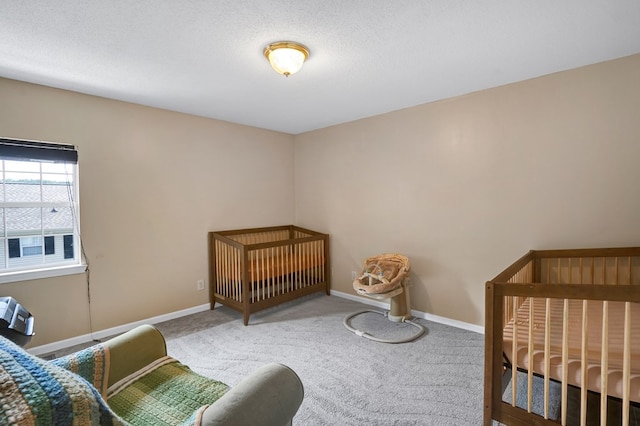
(78, 267)
(59, 271)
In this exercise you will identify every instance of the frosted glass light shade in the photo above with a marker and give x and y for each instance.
(286, 57)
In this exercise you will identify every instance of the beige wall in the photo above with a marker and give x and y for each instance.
(463, 187)
(467, 185)
(152, 184)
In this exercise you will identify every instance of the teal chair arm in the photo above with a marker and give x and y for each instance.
(269, 396)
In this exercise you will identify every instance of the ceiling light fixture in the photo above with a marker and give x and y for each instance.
(286, 57)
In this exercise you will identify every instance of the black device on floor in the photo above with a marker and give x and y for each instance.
(16, 323)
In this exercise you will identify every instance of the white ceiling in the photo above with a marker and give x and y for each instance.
(367, 57)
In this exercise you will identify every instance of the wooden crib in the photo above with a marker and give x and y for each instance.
(254, 269)
(568, 316)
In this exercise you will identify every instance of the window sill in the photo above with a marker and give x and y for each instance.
(42, 273)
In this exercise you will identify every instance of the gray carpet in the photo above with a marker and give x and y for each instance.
(348, 380)
(537, 399)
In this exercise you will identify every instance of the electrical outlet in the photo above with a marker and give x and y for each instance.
(354, 275)
(200, 285)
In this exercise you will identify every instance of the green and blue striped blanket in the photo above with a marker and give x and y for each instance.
(72, 391)
(36, 392)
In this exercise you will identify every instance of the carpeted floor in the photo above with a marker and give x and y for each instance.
(349, 380)
(434, 380)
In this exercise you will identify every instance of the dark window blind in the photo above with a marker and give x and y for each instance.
(14, 149)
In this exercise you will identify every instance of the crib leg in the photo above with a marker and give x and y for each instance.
(245, 317)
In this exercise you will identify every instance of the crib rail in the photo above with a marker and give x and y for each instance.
(531, 326)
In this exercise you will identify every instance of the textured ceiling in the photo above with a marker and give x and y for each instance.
(367, 56)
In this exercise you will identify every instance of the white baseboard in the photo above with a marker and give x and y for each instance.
(96, 335)
(415, 313)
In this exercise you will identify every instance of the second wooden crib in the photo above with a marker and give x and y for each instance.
(570, 317)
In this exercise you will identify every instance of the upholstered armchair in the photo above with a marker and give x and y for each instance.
(130, 380)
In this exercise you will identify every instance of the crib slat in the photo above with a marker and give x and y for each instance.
(313, 251)
(233, 278)
(231, 272)
(320, 269)
(253, 278)
(283, 271)
(271, 290)
(239, 276)
(308, 264)
(530, 354)
(224, 258)
(305, 262)
(263, 277)
(317, 255)
(267, 255)
(315, 262)
(253, 258)
(236, 283)
(254, 274)
(303, 265)
(320, 273)
(565, 360)
(279, 278)
(626, 366)
(275, 286)
(222, 274)
(604, 363)
(219, 279)
(301, 254)
(258, 285)
(288, 268)
(547, 360)
(300, 265)
(514, 351)
(584, 365)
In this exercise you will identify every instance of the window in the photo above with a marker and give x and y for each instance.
(31, 246)
(38, 210)
(49, 245)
